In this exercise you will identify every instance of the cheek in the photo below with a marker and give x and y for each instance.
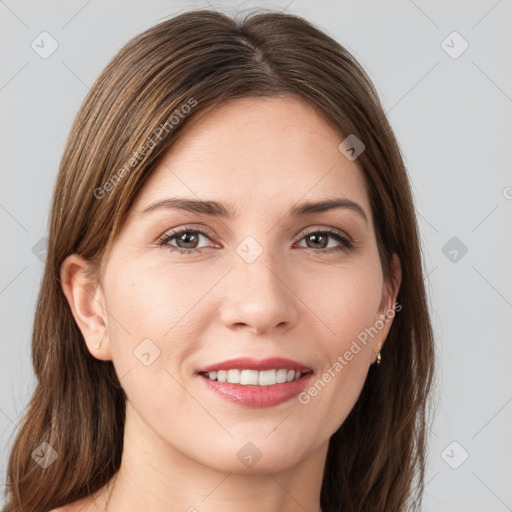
(154, 324)
(335, 388)
(347, 302)
(345, 299)
(153, 300)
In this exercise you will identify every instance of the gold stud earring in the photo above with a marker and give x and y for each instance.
(379, 358)
(99, 343)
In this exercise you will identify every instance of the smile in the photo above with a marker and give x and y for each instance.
(254, 377)
(249, 382)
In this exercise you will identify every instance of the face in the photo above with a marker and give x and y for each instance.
(185, 291)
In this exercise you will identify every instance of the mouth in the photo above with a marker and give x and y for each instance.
(252, 383)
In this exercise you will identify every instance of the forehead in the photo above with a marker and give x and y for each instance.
(255, 152)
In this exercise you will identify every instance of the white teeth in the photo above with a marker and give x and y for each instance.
(281, 376)
(267, 378)
(233, 376)
(254, 377)
(249, 377)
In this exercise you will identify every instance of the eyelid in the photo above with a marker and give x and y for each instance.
(327, 229)
(187, 227)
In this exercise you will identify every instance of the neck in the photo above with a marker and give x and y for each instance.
(154, 475)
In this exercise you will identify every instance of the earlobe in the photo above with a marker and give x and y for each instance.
(87, 303)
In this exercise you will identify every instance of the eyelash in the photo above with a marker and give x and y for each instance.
(346, 244)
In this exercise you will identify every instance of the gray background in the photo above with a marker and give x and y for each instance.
(452, 117)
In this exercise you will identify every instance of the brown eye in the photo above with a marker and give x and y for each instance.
(319, 241)
(187, 240)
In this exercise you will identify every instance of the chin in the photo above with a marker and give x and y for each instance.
(257, 454)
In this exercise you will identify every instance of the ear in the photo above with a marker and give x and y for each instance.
(87, 302)
(387, 307)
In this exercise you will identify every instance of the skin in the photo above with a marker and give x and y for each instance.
(259, 157)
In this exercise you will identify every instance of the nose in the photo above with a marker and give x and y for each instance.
(259, 297)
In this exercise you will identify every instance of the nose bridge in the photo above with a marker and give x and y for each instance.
(258, 294)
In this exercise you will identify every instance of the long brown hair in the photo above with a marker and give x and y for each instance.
(376, 459)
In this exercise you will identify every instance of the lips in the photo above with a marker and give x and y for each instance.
(267, 390)
(246, 363)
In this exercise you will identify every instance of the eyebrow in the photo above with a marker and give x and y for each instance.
(216, 209)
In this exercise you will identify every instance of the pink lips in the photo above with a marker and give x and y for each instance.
(246, 363)
(257, 396)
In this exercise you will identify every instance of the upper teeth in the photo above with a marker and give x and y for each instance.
(254, 377)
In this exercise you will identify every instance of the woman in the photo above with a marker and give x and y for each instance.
(232, 312)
